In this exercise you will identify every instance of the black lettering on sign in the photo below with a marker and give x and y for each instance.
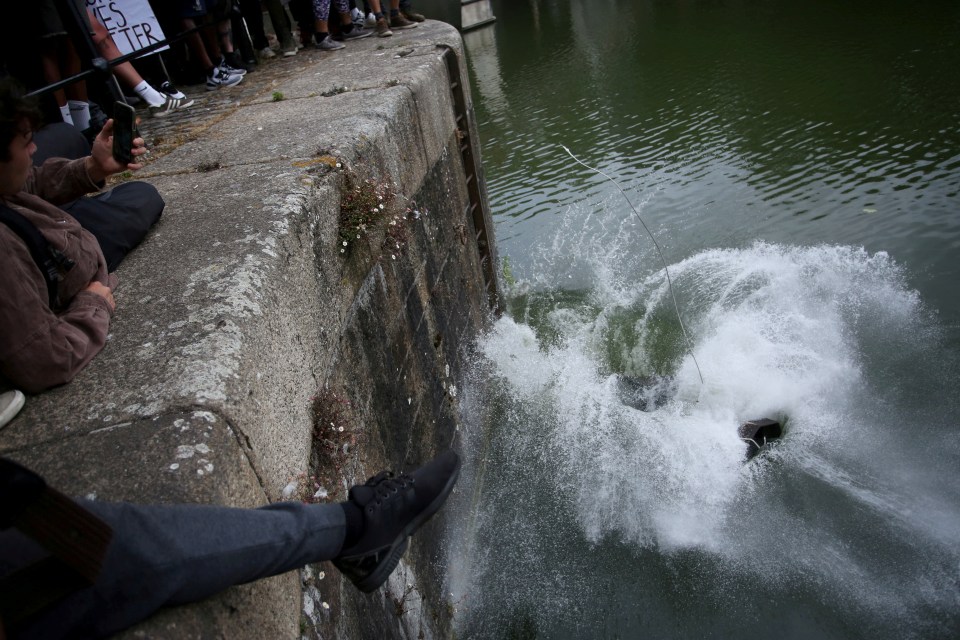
(122, 18)
(123, 28)
(125, 32)
(148, 33)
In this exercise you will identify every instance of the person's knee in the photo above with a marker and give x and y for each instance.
(59, 140)
(156, 199)
(141, 197)
(149, 196)
(99, 32)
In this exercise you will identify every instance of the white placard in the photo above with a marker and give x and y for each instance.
(131, 23)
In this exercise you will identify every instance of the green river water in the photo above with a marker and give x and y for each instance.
(799, 165)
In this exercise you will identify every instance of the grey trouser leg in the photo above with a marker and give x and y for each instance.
(167, 555)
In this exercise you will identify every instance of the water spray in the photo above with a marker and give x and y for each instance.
(676, 307)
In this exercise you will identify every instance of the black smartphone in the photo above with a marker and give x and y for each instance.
(124, 131)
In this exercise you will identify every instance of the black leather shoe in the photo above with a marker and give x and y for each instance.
(394, 507)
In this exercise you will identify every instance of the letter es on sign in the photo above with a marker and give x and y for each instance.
(131, 23)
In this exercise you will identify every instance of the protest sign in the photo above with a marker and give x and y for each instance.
(131, 23)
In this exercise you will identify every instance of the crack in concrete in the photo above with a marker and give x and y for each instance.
(219, 167)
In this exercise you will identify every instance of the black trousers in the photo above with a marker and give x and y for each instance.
(118, 218)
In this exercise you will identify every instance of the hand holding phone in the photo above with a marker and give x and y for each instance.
(124, 131)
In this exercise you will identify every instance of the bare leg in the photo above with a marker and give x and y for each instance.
(51, 69)
(196, 45)
(223, 31)
(71, 66)
(108, 49)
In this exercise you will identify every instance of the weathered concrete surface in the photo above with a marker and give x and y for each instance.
(239, 307)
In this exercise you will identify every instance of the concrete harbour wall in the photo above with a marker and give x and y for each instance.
(240, 310)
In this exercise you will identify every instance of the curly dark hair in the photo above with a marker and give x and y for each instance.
(18, 114)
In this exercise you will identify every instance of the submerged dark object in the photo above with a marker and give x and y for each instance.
(645, 393)
(649, 393)
(756, 433)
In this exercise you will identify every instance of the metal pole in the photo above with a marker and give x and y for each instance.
(112, 63)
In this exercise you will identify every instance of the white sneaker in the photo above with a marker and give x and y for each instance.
(371, 21)
(266, 53)
(170, 104)
(10, 404)
(168, 88)
(218, 79)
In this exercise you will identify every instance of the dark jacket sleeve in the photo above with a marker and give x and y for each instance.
(38, 348)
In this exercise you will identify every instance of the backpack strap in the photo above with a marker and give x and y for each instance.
(51, 262)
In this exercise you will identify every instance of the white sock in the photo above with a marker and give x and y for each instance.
(79, 113)
(65, 112)
(150, 95)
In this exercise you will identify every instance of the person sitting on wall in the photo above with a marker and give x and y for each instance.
(88, 569)
(56, 293)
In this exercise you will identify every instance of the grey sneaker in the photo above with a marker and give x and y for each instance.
(355, 34)
(10, 404)
(170, 104)
(394, 507)
(266, 53)
(382, 29)
(226, 67)
(219, 79)
(399, 22)
(329, 44)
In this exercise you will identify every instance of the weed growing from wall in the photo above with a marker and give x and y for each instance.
(369, 204)
(335, 437)
(364, 206)
(400, 604)
(305, 488)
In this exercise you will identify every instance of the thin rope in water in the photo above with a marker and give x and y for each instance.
(676, 307)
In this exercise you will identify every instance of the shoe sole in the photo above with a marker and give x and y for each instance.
(164, 114)
(224, 84)
(383, 570)
(352, 36)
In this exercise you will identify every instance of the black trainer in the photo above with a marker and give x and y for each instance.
(394, 507)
